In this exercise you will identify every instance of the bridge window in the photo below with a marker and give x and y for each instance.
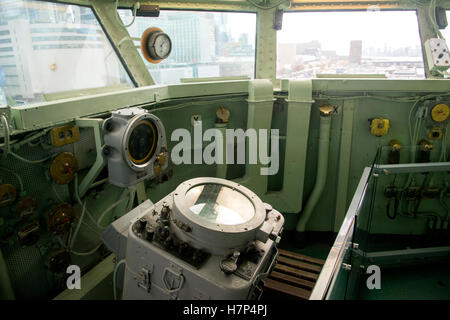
(204, 44)
(48, 48)
(339, 44)
(446, 32)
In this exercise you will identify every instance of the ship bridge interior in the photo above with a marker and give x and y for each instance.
(235, 149)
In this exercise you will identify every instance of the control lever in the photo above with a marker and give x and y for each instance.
(229, 265)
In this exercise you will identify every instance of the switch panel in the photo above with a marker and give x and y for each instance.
(437, 53)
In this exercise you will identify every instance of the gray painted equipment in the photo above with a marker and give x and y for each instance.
(135, 146)
(209, 239)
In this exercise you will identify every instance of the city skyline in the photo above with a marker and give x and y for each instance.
(376, 29)
(47, 48)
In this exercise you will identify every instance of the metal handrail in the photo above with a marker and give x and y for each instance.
(335, 258)
(337, 252)
(413, 168)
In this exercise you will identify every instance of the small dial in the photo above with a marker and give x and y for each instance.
(155, 45)
(162, 45)
(440, 112)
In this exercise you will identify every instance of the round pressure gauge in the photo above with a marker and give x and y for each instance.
(156, 45)
(222, 215)
(440, 112)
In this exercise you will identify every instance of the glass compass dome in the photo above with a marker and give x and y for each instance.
(222, 215)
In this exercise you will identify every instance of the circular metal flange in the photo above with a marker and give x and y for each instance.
(26, 206)
(8, 194)
(63, 168)
(440, 112)
(209, 235)
(155, 125)
(60, 218)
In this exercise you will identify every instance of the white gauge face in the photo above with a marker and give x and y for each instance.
(162, 46)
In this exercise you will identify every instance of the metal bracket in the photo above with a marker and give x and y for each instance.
(347, 267)
(140, 192)
(99, 163)
(143, 279)
(173, 280)
(256, 290)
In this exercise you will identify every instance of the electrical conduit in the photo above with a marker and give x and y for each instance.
(321, 176)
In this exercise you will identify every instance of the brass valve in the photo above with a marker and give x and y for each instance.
(395, 145)
(394, 153)
(222, 114)
(326, 109)
(424, 145)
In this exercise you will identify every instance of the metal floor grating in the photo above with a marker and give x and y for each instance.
(26, 271)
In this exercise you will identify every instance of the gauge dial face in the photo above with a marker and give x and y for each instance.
(142, 142)
(155, 45)
(440, 112)
(162, 46)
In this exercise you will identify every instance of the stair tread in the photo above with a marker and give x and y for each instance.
(287, 289)
(297, 272)
(299, 264)
(301, 257)
(286, 277)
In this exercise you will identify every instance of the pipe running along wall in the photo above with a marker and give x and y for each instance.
(322, 168)
(260, 109)
(6, 290)
(221, 168)
(289, 198)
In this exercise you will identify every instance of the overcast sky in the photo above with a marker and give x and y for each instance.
(336, 29)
